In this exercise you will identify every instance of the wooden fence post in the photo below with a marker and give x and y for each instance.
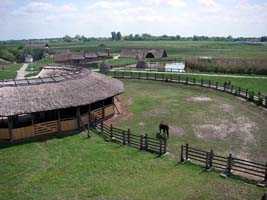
(211, 159)
(239, 91)
(128, 137)
(124, 138)
(146, 142)
(217, 85)
(165, 145)
(186, 151)
(266, 101)
(102, 127)
(207, 161)
(260, 99)
(111, 131)
(160, 147)
(224, 86)
(141, 142)
(265, 176)
(182, 153)
(229, 165)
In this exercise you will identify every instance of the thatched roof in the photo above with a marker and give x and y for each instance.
(70, 89)
(143, 53)
(71, 56)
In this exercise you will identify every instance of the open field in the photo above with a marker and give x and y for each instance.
(10, 72)
(79, 168)
(178, 49)
(254, 83)
(198, 116)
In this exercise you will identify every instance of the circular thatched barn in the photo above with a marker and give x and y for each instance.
(60, 101)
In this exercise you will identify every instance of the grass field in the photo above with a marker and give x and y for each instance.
(253, 83)
(10, 72)
(198, 116)
(34, 68)
(179, 49)
(79, 168)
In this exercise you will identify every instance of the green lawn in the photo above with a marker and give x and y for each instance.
(79, 168)
(198, 116)
(253, 83)
(10, 72)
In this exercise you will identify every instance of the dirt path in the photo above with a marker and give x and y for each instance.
(21, 73)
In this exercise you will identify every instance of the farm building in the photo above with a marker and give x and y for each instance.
(60, 101)
(79, 58)
(141, 53)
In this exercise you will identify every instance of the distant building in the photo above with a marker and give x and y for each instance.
(142, 53)
(28, 58)
(79, 58)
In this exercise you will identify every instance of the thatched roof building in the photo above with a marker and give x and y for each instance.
(143, 53)
(76, 58)
(57, 90)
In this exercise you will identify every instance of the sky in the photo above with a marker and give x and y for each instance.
(26, 19)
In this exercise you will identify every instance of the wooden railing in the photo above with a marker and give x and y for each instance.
(125, 137)
(256, 97)
(229, 165)
(45, 128)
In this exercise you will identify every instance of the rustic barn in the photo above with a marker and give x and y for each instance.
(79, 58)
(60, 101)
(143, 53)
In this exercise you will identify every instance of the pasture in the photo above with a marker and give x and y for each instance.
(80, 168)
(198, 116)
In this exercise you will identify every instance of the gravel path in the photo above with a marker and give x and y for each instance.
(21, 73)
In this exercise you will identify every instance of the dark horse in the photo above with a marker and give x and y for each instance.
(164, 128)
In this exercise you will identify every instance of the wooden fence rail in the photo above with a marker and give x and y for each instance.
(255, 97)
(125, 137)
(229, 165)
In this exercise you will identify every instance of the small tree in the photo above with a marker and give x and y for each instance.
(119, 36)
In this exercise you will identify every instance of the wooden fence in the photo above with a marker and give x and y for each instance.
(229, 165)
(125, 137)
(249, 95)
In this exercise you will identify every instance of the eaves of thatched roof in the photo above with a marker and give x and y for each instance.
(83, 87)
(142, 52)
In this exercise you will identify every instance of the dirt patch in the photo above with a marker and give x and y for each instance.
(227, 108)
(199, 99)
(240, 127)
(176, 131)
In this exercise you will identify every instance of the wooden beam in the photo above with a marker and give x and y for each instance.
(78, 116)
(10, 127)
(58, 121)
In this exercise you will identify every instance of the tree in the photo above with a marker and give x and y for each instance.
(113, 35)
(264, 39)
(67, 38)
(119, 36)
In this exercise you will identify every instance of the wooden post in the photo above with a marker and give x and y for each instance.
(265, 176)
(186, 151)
(160, 147)
(207, 161)
(217, 85)
(146, 142)
(10, 127)
(229, 164)
(102, 127)
(165, 146)
(246, 93)
(78, 116)
(124, 138)
(211, 159)
(239, 91)
(141, 142)
(182, 154)
(103, 112)
(128, 137)
(89, 114)
(209, 83)
(58, 121)
(266, 101)
(111, 131)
